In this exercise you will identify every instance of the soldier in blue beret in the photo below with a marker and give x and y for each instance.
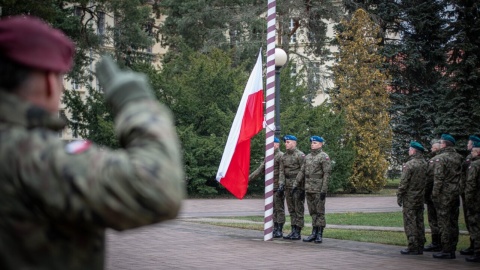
(279, 191)
(447, 182)
(290, 165)
(313, 177)
(411, 196)
(466, 164)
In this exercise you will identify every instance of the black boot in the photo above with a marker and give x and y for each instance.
(319, 238)
(275, 228)
(469, 250)
(435, 245)
(444, 255)
(475, 258)
(298, 234)
(289, 236)
(312, 236)
(279, 233)
(410, 251)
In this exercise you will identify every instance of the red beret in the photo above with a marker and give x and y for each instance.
(31, 42)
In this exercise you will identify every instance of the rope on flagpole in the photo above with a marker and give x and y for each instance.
(269, 119)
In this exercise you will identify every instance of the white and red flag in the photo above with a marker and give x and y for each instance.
(235, 165)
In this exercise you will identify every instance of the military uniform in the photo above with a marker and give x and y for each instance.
(57, 199)
(431, 211)
(315, 171)
(446, 197)
(472, 198)
(466, 213)
(290, 165)
(411, 195)
(278, 197)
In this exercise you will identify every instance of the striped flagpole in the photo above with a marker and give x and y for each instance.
(269, 119)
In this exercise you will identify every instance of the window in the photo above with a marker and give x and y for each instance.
(293, 71)
(101, 25)
(75, 85)
(293, 38)
(77, 11)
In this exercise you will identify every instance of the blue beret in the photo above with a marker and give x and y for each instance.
(476, 144)
(448, 137)
(417, 146)
(316, 139)
(290, 137)
(276, 140)
(474, 138)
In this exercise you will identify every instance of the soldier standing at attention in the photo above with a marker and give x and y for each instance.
(447, 178)
(57, 199)
(290, 165)
(279, 192)
(431, 211)
(316, 169)
(411, 195)
(472, 198)
(466, 165)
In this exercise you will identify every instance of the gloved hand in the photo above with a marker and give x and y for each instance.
(399, 201)
(302, 195)
(121, 87)
(281, 190)
(323, 196)
(294, 189)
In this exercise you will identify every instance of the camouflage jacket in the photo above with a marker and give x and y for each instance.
(276, 166)
(429, 179)
(57, 199)
(315, 171)
(290, 165)
(411, 190)
(472, 185)
(447, 175)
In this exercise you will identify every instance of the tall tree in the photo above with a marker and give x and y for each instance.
(361, 94)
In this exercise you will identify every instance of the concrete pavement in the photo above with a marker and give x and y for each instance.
(181, 244)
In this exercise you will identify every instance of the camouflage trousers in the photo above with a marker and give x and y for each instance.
(447, 213)
(279, 207)
(474, 230)
(465, 212)
(432, 218)
(414, 227)
(316, 208)
(296, 207)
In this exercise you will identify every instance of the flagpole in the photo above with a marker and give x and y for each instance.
(269, 119)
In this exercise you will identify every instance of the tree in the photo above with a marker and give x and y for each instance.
(361, 94)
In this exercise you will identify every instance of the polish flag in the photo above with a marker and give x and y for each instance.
(235, 165)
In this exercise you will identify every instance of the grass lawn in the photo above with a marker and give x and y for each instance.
(393, 219)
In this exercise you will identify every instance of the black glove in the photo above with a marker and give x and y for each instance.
(302, 195)
(323, 196)
(293, 191)
(281, 190)
(399, 201)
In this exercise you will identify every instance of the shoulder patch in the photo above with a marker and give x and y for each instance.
(77, 147)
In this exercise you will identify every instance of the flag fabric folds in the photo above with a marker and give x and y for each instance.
(235, 165)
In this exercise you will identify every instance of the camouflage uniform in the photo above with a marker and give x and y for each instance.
(315, 170)
(411, 194)
(279, 197)
(446, 195)
(472, 198)
(290, 165)
(431, 211)
(56, 200)
(466, 213)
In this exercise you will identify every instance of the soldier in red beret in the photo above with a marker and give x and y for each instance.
(57, 198)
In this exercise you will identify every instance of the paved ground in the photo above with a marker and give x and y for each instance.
(181, 244)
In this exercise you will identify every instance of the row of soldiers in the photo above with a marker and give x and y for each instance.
(440, 183)
(298, 177)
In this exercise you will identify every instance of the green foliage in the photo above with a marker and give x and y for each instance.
(361, 94)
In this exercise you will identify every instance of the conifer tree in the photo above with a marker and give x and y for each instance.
(362, 95)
